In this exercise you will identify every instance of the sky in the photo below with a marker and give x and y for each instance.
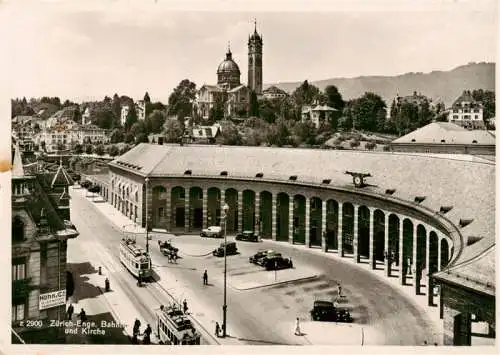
(84, 50)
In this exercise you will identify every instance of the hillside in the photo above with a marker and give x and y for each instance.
(438, 85)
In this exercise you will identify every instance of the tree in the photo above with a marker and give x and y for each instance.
(88, 149)
(141, 138)
(305, 94)
(102, 116)
(129, 138)
(78, 148)
(155, 121)
(131, 116)
(113, 150)
(278, 133)
(137, 128)
(172, 130)
(180, 101)
(487, 98)
(334, 100)
(229, 134)
(117, 136)
(367, 111)
(254, 105)
(116, 107)
(216, 113)
(99, 150)
(305, 131)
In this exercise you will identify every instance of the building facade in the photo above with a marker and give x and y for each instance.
(415, 230)
(317, 114)
(39, 244)
(274, 93)
(467, 112)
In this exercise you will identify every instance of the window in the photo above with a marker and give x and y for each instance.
(19, 269)
(476, 117)
(18, 312)
(161, 212)
(17, 229)
(182, 194)
(455, 117)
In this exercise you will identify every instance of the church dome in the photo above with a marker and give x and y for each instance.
(228, 66)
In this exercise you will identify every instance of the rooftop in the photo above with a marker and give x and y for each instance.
(449, 133)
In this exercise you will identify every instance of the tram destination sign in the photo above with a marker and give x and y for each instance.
(51, 299)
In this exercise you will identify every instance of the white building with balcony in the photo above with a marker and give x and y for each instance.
(466, 112)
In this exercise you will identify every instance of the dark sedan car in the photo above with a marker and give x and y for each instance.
(247, 236)
(277, 263)
(326, 311)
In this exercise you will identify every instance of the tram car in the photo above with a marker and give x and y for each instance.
(135, 259)
(175, 328)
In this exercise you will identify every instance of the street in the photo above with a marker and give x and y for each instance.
(263, 315)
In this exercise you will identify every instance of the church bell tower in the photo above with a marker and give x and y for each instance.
(255, 61)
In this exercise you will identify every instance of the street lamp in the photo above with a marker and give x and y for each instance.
(147, 237)
(225, 208)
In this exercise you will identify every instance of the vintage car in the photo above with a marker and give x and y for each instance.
(212, 232)
(250, 236)
(230, 249)
(259, 255)
(277, 263)
(326, 311)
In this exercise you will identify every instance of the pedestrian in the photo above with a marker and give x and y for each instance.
(185, 306)
(205, 278)
(217, 329)
(297, 327)
(137, 325)
(70, 311)
(106, 284)
(340, 289)
(147, 335)
(83, 316)
(291, 263)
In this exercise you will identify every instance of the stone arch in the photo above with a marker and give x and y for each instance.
(421, 251)
(196, 208)
(444, 253)
(347, 227)
(248, 210)
(213, 206)
(299, 219)
(232, 214)
(265, 223)
(282, 216)
(315, 221)
(332, 221)
(364, 231)
(378, 235)
(178, 208)
(18, 229)
(393, 247)
(159, 206)
(407, 246)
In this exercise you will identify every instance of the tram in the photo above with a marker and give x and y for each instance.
(174, 328)
(135, 259)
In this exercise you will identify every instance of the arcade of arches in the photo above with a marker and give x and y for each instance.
(364, 233)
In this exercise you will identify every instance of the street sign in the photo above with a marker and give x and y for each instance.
(51, 299)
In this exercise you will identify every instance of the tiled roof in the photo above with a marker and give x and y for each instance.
(466, 96)
(274, 90)
(211, 88)
(477, 273)
(451, 133)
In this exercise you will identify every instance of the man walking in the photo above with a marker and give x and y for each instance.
(147, 335)
(83, 316)
(297, 327)
(185, 306)
(70, 311)
(340, 289)
(217, 329)
(205, 278)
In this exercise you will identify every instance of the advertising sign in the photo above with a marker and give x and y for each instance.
(51, 299)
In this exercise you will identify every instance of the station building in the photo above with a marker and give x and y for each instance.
(429, 220)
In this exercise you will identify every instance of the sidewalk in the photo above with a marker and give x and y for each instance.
(112, 307)
(204, 315)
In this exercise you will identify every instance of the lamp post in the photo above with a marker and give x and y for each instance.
(147, 236)
(225, 208)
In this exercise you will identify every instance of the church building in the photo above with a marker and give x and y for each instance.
(230, 95)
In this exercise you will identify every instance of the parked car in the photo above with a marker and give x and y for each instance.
(259, 255)
(250, 236)
(230, 248)
(326, 311)
(212, 232)
(269, 256)
(277, 263)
